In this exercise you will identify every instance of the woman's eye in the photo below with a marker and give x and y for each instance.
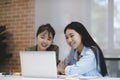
(71, 36)
(42, 37)
(49, 39)
(66, 37)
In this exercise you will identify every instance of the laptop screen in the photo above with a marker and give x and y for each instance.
(38, 64)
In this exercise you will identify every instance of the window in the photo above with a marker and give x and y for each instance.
(116, 24)
(105, 24)
(99, 27)
(105, 28)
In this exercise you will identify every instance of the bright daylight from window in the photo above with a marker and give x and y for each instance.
(117, 24)
(105, 30)
(99, 22)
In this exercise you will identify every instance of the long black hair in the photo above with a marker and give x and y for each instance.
(89, 42)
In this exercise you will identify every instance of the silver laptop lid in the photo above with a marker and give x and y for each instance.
(38, 64)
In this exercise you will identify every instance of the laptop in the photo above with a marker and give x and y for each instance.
(41, 64)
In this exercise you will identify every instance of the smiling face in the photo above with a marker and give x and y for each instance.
(44, 40)
(73, 39)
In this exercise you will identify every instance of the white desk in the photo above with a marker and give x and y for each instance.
(23, 78)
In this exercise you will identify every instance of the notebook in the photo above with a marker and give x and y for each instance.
(38, 64)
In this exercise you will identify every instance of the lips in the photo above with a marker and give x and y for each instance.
(72, 44)
(44, 45)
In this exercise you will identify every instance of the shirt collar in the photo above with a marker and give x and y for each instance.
(82, 53)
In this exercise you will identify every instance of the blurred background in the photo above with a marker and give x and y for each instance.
(100, 17)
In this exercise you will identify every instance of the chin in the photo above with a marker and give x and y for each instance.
(73, 47)
(44, 49)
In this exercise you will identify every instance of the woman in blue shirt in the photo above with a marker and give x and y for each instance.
(86, 57)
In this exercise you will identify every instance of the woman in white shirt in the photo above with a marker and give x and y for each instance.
(86, 57)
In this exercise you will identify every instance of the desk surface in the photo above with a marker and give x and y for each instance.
(83, 78)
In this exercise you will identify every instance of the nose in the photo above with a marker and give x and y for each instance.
(69, 40)
(45, 40)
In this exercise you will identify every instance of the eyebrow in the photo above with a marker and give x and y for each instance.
(48, 36)
(70, 33)
(42, 35)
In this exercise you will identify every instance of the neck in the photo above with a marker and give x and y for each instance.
(38, 49)
(79, 49)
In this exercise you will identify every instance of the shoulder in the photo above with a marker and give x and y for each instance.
(33, 48)
(88, 51)
(53, 47)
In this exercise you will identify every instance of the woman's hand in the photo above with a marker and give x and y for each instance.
(61, 68)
